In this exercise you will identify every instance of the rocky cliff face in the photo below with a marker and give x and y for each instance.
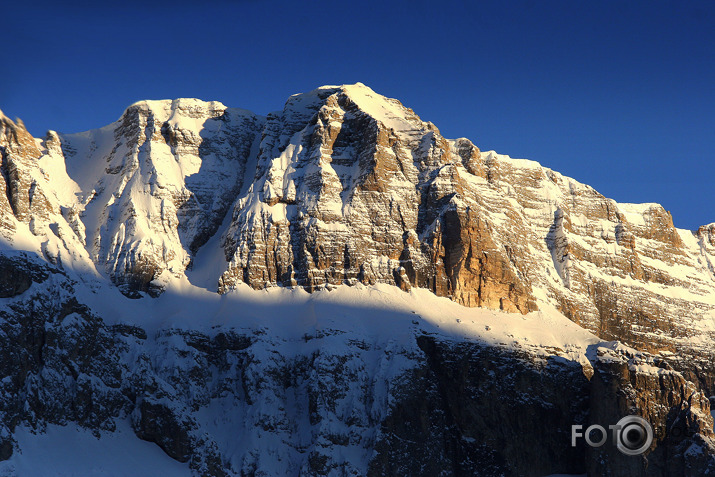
(341, 187)
(418, 400)
(345, 186)
(354, 187)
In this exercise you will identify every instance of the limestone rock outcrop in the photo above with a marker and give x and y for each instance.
(342, 187)
(345, 186)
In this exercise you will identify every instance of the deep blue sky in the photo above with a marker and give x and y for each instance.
(619, 95)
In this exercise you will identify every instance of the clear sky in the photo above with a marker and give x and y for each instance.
(617, 94)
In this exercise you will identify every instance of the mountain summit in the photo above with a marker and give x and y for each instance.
(343, 186)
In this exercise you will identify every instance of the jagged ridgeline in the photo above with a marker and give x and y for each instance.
(341, 188)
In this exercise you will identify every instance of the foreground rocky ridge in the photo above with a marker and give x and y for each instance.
(343, 186)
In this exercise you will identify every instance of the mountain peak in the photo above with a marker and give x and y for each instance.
(332, 88)
(165, 109)
(345, 185)
(389, 112)
(17, 123)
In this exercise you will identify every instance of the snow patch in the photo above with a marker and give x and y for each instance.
(71, 451)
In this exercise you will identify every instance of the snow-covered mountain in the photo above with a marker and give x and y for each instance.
(155, 272)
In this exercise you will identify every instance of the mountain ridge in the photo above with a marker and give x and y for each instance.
(213, 222)
(154, 186)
